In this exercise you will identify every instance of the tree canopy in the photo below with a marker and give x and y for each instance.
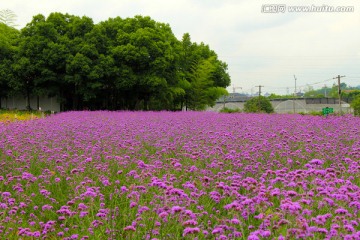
(132, 63)
(8, 38)
(333, 92)
(258, 104)
(355, 104)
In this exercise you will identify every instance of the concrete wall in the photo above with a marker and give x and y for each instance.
(287, 106)
(18, 102)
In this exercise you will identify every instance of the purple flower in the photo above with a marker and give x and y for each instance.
(176, 209)
(341, 211)
(190, 222)
(235, 221)
(217, 231)
(317, 162)
(163, 214)
(46, 207)
(130, 228)
(189, 230)
(82, 206)
(253, 237)
(6, 194)
(349, 228)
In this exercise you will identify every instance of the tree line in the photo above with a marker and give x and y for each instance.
(118, 64)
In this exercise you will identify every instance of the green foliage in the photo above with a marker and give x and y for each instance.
(230, 110)
(258, 104)
(203, 92)
(276, 96)
(355, 104)
(332, 92)
(350, 94)
(316, 113)
(132, 63)
(8, 37)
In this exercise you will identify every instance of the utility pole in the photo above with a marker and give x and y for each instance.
(259, 94)
(339, 91)
(294, 94)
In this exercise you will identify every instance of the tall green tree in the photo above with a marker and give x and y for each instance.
(205, 74)
(132, 63)
(30, 63)
(145, 50)
(8, 48)
(203, 92)
(52, 59)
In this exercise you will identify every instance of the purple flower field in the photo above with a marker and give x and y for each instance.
(182, 175)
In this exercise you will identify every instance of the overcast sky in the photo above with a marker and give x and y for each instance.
(260, 48)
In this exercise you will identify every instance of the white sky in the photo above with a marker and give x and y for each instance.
(265, 49)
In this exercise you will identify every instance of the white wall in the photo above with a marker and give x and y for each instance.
(18, 102)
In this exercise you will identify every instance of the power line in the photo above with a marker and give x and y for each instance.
(300, 86)
(352, 78)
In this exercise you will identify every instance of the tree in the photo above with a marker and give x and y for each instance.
(145, 52)
(132, 63)
(8, 48)
(258, 104)
(355, 104)
(52, 51)
(203, 91)
(205, 74)
(30, 63)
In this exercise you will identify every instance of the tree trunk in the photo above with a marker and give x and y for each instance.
(28, 107)
(38, 102)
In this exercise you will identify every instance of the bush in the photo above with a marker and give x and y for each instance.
(230, 110)
(258, 104)
(355, 104)
(316, 113)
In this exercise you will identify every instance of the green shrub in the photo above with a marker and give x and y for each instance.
(230, 110)
(258, 104)
(316, 113)
(355, 104)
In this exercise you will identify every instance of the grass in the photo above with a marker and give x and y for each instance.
(8, 116)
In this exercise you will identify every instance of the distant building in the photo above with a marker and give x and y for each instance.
(299, 94)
